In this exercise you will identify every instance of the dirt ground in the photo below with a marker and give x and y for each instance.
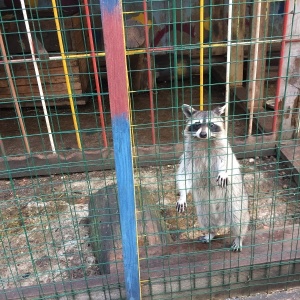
(44, 228)
(290, 294)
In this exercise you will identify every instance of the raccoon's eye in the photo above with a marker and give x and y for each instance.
(211, 124)
(194, 127)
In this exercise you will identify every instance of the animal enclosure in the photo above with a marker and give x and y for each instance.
(91, 132)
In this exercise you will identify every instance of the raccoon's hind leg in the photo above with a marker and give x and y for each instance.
(206, 238)
(239, 230)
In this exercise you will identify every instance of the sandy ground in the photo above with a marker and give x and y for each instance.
(44, 228)
(290, 294)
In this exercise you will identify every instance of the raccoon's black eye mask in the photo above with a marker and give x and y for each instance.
(196, 126)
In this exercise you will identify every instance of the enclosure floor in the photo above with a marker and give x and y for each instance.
(273, 203)
(169, 120)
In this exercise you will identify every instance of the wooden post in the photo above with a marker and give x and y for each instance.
(238, 35)
(114, 44)
(289, 80)
(260, 58)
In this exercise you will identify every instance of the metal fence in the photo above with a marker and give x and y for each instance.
(91, 134)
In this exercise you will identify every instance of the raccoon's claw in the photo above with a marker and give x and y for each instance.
(222, 179)
(180, 206)
(236, 245)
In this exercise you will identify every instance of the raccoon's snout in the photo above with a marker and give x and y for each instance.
(201, 134)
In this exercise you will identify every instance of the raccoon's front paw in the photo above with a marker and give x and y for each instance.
(222, 179)
(181, 205)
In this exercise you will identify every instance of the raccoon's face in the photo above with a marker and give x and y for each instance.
(204, 124)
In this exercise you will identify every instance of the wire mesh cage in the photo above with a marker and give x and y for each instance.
(142, 141)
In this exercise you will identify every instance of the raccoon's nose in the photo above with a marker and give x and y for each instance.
(203, 134)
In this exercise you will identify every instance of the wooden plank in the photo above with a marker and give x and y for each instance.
(113, 30)
(58, 101)
(52, 66)
(289, 99)
(46, 32)
(31, 80)
(81, 46)
(52, 76)
(49, 90)
(51, 72)
(218, 26)
(259, 77)
(238, 35)
(290, 154)
(262, 118)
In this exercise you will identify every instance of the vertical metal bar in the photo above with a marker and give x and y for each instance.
(114, 43)
(94, 62)
(175, 71)
(150, 81)
(201, 40)
(66, 72)
(37, 74)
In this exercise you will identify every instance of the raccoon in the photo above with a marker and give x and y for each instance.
(209, 169)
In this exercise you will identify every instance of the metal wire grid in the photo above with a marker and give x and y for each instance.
(44, 220)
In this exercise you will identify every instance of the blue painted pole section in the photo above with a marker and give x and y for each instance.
(124, 174)
(114, 42)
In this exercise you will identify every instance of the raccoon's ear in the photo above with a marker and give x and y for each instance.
(188, 110)
(219, 110)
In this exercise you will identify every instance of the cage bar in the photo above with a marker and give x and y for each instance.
(201, 53)
(65, 67)
(158, 249)
(96, 75)
(38, 77)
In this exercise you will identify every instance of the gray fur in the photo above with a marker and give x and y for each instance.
(209, 169)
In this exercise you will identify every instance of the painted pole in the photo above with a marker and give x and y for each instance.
(114, 43)
(37, 74)
(201, 53)
(95, 68)
(66, 72)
